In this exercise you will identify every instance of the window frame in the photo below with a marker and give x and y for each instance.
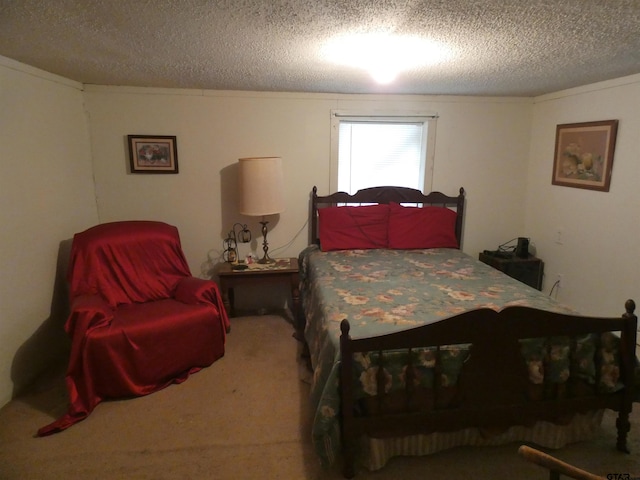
(428, 145)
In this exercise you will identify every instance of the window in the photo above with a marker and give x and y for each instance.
(372, 150)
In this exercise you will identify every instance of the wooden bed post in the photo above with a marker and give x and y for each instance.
(627, 359)
(346, 395)
(313, 231)
(460, 216)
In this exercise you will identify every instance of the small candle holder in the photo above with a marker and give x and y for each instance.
(239, 233)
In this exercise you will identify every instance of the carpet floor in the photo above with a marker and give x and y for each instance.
(247, 416)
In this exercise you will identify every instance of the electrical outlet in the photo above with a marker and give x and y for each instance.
(560, 280)
(559, 239)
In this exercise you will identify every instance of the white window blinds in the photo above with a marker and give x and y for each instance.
(381, 153)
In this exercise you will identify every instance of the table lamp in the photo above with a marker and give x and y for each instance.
(261, 187)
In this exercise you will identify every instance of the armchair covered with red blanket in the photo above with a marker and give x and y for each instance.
(139, 320)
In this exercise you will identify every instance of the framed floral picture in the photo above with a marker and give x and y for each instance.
(153, 154)
(584, 154)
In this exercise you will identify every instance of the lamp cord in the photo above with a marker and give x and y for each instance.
(290, 242)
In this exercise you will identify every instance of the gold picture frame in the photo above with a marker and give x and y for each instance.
(153, 153)
(584, 154)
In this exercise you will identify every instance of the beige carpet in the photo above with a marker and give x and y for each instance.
(245, 417)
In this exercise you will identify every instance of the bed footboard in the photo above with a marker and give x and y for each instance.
(486, 369)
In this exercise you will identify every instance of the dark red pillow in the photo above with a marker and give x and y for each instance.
(427, 227)
(346, 228)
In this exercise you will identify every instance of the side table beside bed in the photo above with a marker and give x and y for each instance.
(283, 271)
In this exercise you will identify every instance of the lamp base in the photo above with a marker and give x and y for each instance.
(266, 259)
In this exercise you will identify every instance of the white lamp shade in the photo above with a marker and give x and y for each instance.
(261, 186)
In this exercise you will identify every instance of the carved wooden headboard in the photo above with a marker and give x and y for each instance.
(375, 195)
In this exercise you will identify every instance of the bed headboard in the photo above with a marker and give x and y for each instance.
(371, 195)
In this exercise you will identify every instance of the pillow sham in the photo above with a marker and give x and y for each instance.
(350, 227)
(427, 227)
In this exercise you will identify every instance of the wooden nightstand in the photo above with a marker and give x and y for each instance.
(528, 270)
(284, 270)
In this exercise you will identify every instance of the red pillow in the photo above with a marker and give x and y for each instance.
(427, 227)
(346, 228)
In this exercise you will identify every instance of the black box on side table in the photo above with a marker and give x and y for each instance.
(527, 270)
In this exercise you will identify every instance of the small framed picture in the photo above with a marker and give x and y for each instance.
(153, 154)
(584, 154)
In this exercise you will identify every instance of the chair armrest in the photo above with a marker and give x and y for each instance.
(193, 290)
(87, 312)
(90, 302)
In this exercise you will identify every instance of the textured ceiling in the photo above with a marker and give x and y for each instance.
(499, 47)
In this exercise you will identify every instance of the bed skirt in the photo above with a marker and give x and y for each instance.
(376, 452)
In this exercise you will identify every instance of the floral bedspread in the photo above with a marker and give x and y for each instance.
(380, 291)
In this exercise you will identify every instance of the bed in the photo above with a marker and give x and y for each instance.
(416, 347)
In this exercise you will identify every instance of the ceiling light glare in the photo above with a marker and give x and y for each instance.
(384, 56)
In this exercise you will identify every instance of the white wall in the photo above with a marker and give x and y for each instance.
(481, 145)
(46, 194)
(598, 256)
(213, 130)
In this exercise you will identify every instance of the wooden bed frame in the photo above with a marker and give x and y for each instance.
(385, 195)
(488, 395)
